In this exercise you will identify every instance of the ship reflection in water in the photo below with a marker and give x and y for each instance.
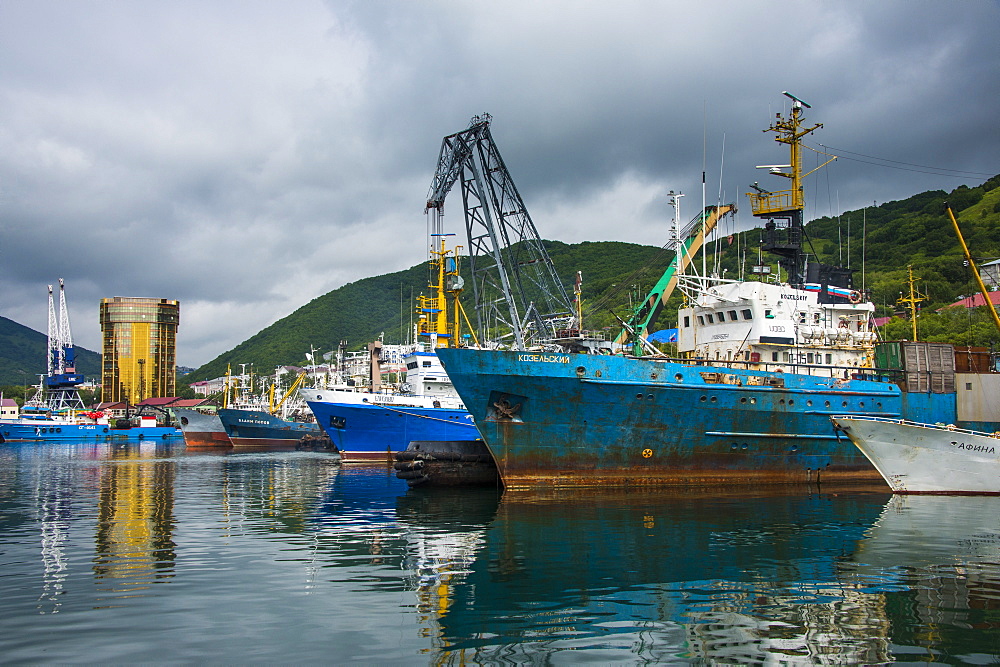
(150, 553)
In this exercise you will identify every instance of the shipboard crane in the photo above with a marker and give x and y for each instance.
(987, 301)
(513, 278)
(693, 235)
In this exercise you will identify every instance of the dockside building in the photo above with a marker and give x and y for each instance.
(139, 348)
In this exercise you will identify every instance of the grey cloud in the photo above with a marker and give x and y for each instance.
(247, 157)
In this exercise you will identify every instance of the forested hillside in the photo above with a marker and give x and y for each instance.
(22, 355)
(882, 240)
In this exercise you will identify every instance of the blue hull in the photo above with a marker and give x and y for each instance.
(258, 428)
(84, 432)
(590, 420)
(374, 432)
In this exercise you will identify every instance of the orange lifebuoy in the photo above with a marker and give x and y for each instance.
(854, 296)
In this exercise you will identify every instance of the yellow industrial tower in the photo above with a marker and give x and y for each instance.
(139, 348)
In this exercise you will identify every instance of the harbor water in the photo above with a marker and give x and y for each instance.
(152, 553)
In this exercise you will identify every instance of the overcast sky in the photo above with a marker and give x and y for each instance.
(246, 157)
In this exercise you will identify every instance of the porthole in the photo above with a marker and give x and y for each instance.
(714, 399)
(743, 400)
(638, 397)
(703, 399)
(809, 403)
(679, 378)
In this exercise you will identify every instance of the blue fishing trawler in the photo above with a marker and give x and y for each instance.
(763, 367)
(377, 423)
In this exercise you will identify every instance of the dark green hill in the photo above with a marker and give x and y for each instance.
(913, 231)
(22, 355)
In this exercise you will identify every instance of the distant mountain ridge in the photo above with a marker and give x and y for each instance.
(23, 355)
(913, 231)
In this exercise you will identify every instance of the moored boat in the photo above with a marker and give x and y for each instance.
(258, 428)
(377, 423)
(764, 365)
(202, 430)
(927, 458)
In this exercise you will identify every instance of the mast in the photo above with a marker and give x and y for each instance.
(912, 300)
(783, 210)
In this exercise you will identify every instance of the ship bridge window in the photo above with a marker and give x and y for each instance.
(687, 321)
(711, 320)
(722, 316)
(829, 359)
(411, 365)
(768, 314)
(701, 320)
(802, 318)
(774, 356)
(748, 314)
(732, 316)
(427, 364)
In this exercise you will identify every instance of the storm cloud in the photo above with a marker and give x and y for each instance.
(247, 157)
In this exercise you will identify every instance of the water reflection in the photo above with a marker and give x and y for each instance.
(134, 541)
(653, 578)
(937, 558)
(320, 554)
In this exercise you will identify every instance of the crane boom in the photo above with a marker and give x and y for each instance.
(514, 281)
(975, 270)
(646, 312)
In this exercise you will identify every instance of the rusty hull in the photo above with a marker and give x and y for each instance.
(569, 420)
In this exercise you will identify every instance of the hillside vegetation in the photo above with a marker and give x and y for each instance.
(914, 231)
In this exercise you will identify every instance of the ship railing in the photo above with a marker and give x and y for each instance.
(887, 375)
(772, 202)
(907, 422)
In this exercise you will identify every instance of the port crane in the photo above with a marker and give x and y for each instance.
(513, 279)
(62, 381)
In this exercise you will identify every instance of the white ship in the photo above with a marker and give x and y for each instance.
(927, 458)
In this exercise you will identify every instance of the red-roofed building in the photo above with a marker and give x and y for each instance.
(976, 300)
(159, 402)
(113, 409)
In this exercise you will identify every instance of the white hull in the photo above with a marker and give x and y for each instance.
(923, 458)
